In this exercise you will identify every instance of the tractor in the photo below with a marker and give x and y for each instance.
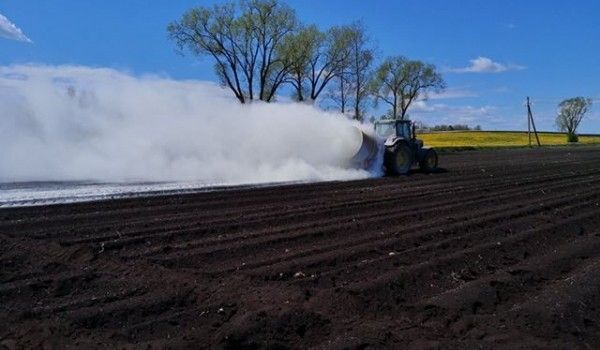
(402, 148)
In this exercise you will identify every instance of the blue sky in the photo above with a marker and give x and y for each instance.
(492, 53)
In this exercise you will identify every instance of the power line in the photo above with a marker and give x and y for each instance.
(555, 100)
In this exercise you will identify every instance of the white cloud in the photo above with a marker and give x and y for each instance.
(502, 89)
(441, 113)
(492, 117)
(424, 107)
(486, 65)
(451, 93)
(10, 31)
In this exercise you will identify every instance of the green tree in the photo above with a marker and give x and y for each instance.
(340, 92)
(359, 68)
(399, 81)
(570, 114)
(299, 51)
(316, 58)
(243, 38)
(351, 90)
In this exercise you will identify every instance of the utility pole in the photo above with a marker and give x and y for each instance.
(530, 120)
(528, 123)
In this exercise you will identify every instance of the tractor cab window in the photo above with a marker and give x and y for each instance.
(403, 129)
(384, 130)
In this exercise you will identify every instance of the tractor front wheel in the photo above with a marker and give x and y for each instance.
(398, 159)
(430, 162)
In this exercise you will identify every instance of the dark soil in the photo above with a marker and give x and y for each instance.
(500, 251)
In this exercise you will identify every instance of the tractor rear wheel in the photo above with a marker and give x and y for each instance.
(430, 162)
(398, 159)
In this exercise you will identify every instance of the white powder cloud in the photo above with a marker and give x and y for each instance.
(82, 123)
(10, 31)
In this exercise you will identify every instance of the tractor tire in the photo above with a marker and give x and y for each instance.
(429, 163)
(398, 159)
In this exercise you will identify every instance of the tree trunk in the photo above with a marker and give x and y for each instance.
(299, 88)
(342, 95)
(403, 115)
(357, 115)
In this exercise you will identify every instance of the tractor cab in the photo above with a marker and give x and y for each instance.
(394, 128)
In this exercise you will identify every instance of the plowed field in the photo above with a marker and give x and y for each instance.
(502, 249)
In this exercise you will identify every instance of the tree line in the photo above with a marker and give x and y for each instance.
(448, 127)
(260, 46)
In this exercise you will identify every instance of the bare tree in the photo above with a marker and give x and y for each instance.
(398, 82)
(570, 114)
(243, 40)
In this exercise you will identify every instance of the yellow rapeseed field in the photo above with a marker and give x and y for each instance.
(496, 139)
